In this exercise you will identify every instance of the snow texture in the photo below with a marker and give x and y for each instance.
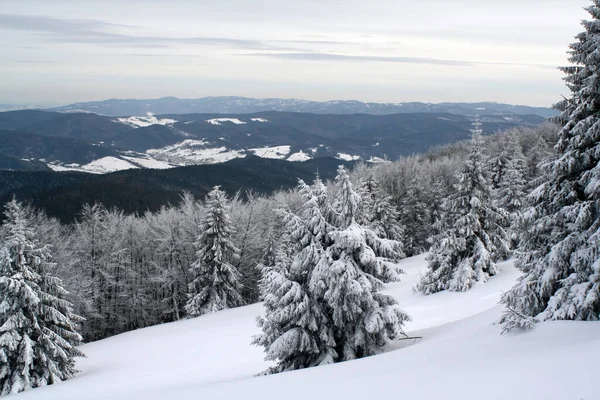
(211, 357)
(150, 119)
(219, 121)
(275, 152)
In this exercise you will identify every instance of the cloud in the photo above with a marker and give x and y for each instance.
(103, 33)
(353, 58)
(310, 56)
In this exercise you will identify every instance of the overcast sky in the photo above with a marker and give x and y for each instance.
(61, 51)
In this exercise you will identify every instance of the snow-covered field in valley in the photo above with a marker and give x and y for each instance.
(461, 356)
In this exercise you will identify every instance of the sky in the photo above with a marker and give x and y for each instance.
(64, 51)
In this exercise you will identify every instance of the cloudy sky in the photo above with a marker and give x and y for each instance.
(61, 51)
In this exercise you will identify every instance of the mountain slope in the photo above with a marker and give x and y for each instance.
(63, 194)
(245, 105)
(23, 145)
(461, 356)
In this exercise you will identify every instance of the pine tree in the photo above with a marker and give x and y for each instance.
(215, 283)
(348, 279)
(560, 246)
(379, 214)
(37, 332)
(511, 189)
(466, 252)
(296, 332)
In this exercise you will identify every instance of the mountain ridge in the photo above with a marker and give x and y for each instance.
(238, 104)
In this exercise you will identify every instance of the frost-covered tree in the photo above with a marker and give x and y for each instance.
(378, 212)
(511, 190)
(349, 276)
(560, 247)
(466, 252)
(296, 331)
(214, 284)
(37, 326)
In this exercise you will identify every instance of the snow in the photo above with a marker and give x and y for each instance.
(461, 356)
(102, 165)
(377, 160)
(190, 152)
(149, 163)
(150, 119)
(259, 120)
(347, 157)
(107, 164)
(277, 152)
(218, 121)
(299, 156)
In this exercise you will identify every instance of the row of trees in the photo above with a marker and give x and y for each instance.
(126, 272)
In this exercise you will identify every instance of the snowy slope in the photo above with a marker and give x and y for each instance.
(102, 165)
(461, 356)
(149, 119)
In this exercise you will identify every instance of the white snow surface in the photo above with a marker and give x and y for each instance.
(347, 157)
(191, 152)
(149, 119)
(219, 121)
(461, 356)
(149, 163)
(299, 156)
(259, 120)
(102, 165)
(277, 152)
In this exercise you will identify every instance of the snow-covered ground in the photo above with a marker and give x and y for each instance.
(219, 121)
(102, 165)
(190, 152)
(347, 157)
(148, 120)
(276, 152)
(148, 162)
(461, 356)
(299, 156)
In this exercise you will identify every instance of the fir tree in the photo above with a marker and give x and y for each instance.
(215, 283)
(560, 246)
(466, 252)
(379, 214)
(511, 189)
(37, 332)
(348, 279)
(296, 332)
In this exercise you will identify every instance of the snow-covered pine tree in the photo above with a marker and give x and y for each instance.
(511, 188)
(560, 247)
(37, 332)
(214, 284)
(466, 252)
(379, 214)
(296, 331)
(349, 277)
(498, 163)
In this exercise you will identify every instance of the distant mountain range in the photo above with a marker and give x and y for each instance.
(87, 142)
(245, 105)
(124, 155)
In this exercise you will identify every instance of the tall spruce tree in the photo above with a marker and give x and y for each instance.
(296, 331)
(349, 276)
(466, 252)
(37, 325)
(379, 214)
(560, 246)
(215, 281)
(511, 188)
